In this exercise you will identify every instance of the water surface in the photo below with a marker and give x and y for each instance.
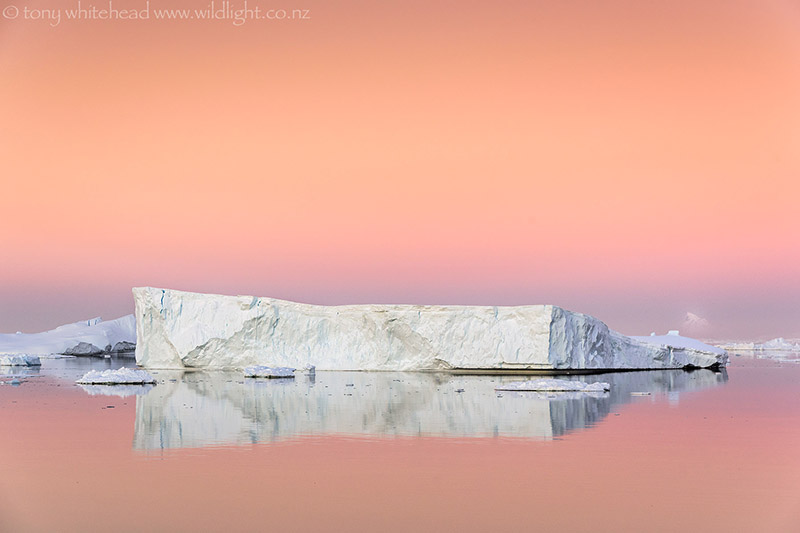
(661, 451)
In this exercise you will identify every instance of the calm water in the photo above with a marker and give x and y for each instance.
(357, 451)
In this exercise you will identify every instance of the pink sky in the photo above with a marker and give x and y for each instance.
(630, 160)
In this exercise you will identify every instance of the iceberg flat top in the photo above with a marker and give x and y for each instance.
(554, 385)
(94, 332)
(127, 376)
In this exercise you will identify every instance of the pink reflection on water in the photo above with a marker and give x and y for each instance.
(719, 459)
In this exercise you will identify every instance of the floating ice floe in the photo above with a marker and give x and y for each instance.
(87, 337)
(554, 385)
(269, 372)
(177, 329)
(121, 376)
(19, 359)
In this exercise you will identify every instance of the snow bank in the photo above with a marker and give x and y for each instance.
(179, 329)
(128, 376)
(554, 385)
(88, 337)
(19, 359)
(268, 372)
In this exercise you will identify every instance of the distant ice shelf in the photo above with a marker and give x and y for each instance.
(87, 337)
(177, 329)
(775, 345)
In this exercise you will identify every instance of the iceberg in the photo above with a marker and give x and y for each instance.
(554, 385)
(121, 376)
(177, 329)
(19, 359)
(87, 337)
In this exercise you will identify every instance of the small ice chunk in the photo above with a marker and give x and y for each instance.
(270, 372)
(124, 376)
(554, 385)
(19, 359)
(308, 369)
(674, 332)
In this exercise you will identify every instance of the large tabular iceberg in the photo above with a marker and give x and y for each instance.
(177, 329)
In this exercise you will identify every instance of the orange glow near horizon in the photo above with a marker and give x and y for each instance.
(635, 161)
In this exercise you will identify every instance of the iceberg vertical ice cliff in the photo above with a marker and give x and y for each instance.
(177, 329)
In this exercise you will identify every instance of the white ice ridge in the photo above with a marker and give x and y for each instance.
(124, 376)
(19, 359)
(177, 329)
(268, 372)
(554, 385)
(88, 337)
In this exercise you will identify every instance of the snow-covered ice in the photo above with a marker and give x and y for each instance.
(127, 376)
(88, 337)
(554, 385)
(19, 359)
(179, 329)
(268, 372)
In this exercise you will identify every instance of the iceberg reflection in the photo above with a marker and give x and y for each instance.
(195, 409)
